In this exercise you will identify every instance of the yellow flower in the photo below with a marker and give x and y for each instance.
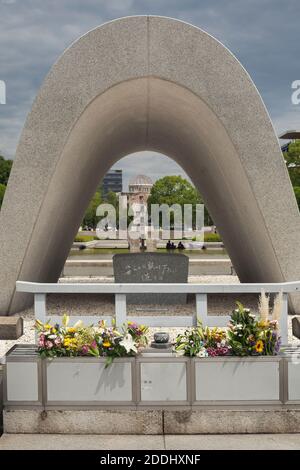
(47, 326)
(263, 324)
(53, 330)
(259, 346)
(71, 330)
(70, 343)
(106, 344)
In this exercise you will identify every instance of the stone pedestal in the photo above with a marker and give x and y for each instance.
(151, 245)
(11, 327)
(134, 245)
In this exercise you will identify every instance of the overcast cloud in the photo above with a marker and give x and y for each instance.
(263, 34)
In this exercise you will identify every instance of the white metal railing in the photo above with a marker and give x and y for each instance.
(40, 291)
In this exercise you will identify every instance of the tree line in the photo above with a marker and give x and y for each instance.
(292, 161)
(5, 168)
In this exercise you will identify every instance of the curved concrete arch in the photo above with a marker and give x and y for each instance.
(147, 83)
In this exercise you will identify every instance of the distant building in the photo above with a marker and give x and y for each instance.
(292, 136)
(139, 189)
(138, 194)
(112, 181)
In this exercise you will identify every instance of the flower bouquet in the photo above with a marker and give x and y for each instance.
(202, 342)
(248, 336)
(98, 341)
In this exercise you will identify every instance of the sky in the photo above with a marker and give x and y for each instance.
(263, 34)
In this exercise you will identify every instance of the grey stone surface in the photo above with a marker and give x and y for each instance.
(148, 83)
(152, 268)
(224, 421)
(260, 421)
(75, 442)
(83, 422)
(94, 268)
(136, 442)
(234, 442)
(296, 327)
(11, 327)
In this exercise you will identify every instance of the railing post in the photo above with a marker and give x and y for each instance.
(120, 309)
(40, 312)
(201, 308)
(284, 320)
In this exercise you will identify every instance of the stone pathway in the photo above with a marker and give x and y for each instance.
(167, 442)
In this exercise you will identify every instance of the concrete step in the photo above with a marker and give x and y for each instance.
(154, 422)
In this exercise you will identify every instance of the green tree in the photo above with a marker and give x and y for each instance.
(113, 199)
(2, 191)
(5, 168)
(90, 219)
(292, 160)
(174, 190)
(297, 194)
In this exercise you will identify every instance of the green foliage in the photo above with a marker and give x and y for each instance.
(85, 238)
(292, 160)
(174, 190)
(242, 332)
(191, 342)
(202, 342)
(90, 219)
(297, 194)
(2, 191)
(5, 168)
(113, 199)
(208, 221)
(247, 336)
(212, 237)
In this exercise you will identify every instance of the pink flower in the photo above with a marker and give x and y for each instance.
(57, 342)
(219, 351)
(85, 349)
(41, 342)
(94, 344)
(212, 352)
(49, 344)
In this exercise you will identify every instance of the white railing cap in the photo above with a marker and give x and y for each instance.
(113, 288)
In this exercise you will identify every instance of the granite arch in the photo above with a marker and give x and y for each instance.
(147, 83)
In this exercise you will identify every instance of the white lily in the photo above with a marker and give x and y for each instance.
(128, 343)
(78, 324)
(65, 320)
(180, 353)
